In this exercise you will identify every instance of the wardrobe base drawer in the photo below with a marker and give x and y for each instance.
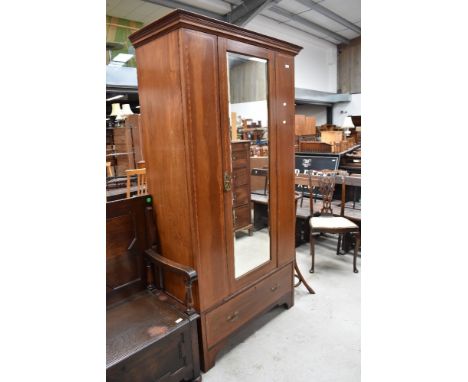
(225, 319)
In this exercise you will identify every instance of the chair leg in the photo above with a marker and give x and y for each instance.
(312, 252)
(356, 248)
(339, 244)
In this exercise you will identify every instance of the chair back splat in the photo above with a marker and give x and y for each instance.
(323, 182)
(141, 181)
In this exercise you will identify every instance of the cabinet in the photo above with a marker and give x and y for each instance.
(240, 157)
(123, 147)
(199, 174)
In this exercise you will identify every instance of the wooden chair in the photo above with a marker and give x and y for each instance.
(150, 336)
(109, 169)
(141, 181)
(327, 222)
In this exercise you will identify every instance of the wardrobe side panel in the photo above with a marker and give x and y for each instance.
(167, 162)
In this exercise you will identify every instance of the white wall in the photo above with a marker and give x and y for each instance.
(316, 64)
(257, 110)
(319, 112)
(342, 109)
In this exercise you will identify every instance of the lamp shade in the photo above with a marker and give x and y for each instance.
(126, 109)
(116, 111)
(348, 122)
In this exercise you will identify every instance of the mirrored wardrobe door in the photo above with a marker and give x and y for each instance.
(248, 112)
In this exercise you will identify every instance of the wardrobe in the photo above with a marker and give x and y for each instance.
(194, 74)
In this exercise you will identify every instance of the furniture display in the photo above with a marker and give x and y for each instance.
(305, 125)
(315, 147)
(351, 161)
(328, 222)
(123, 146)
(186, 102)
(150, 336)
(240, 152)
(331, 137)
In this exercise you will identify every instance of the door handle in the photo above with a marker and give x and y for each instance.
(227, 181)
(233, 317)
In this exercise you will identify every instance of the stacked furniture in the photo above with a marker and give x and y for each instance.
(183, 89)
(240, 152)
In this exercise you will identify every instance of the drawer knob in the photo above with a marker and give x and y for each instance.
(275, 287)
(233, 317)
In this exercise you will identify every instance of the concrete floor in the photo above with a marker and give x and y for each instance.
(317, 340)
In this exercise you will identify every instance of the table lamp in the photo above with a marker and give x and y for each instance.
(348, 122)
(117, 113)
(126, 110)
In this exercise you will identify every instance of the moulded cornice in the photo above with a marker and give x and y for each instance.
(184, 19)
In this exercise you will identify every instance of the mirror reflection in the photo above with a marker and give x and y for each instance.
(248, 110)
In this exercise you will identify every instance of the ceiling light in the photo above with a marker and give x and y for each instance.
(122, 57)
(116, 64)
(115, 97)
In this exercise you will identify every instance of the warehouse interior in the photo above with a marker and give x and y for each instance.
(235, 191)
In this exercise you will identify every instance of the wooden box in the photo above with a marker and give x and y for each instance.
(331, 137)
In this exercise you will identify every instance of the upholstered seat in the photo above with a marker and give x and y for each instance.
(332, 222)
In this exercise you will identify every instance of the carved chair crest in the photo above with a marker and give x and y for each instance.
(324, 183)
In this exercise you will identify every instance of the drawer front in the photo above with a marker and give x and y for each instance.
(240, 146)
(166, 356)
(230, 316)
(241, 196)
(240, 159)
(240, 177)
(242, 216)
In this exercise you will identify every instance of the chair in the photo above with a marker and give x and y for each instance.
(109, 169)
(141, 181)
(324, 183)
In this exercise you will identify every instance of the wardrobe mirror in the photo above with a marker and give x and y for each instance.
(248, 111)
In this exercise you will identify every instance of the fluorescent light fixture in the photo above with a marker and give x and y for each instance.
(116, 64)
(116, 97)
(122, 57)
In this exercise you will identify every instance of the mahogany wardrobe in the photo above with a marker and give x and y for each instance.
(217, 113)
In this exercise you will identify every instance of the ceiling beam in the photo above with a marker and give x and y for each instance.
(246, 11)
(309, 24)
(235, 2)
(298, 29)
(331, 15)
(176, 4)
